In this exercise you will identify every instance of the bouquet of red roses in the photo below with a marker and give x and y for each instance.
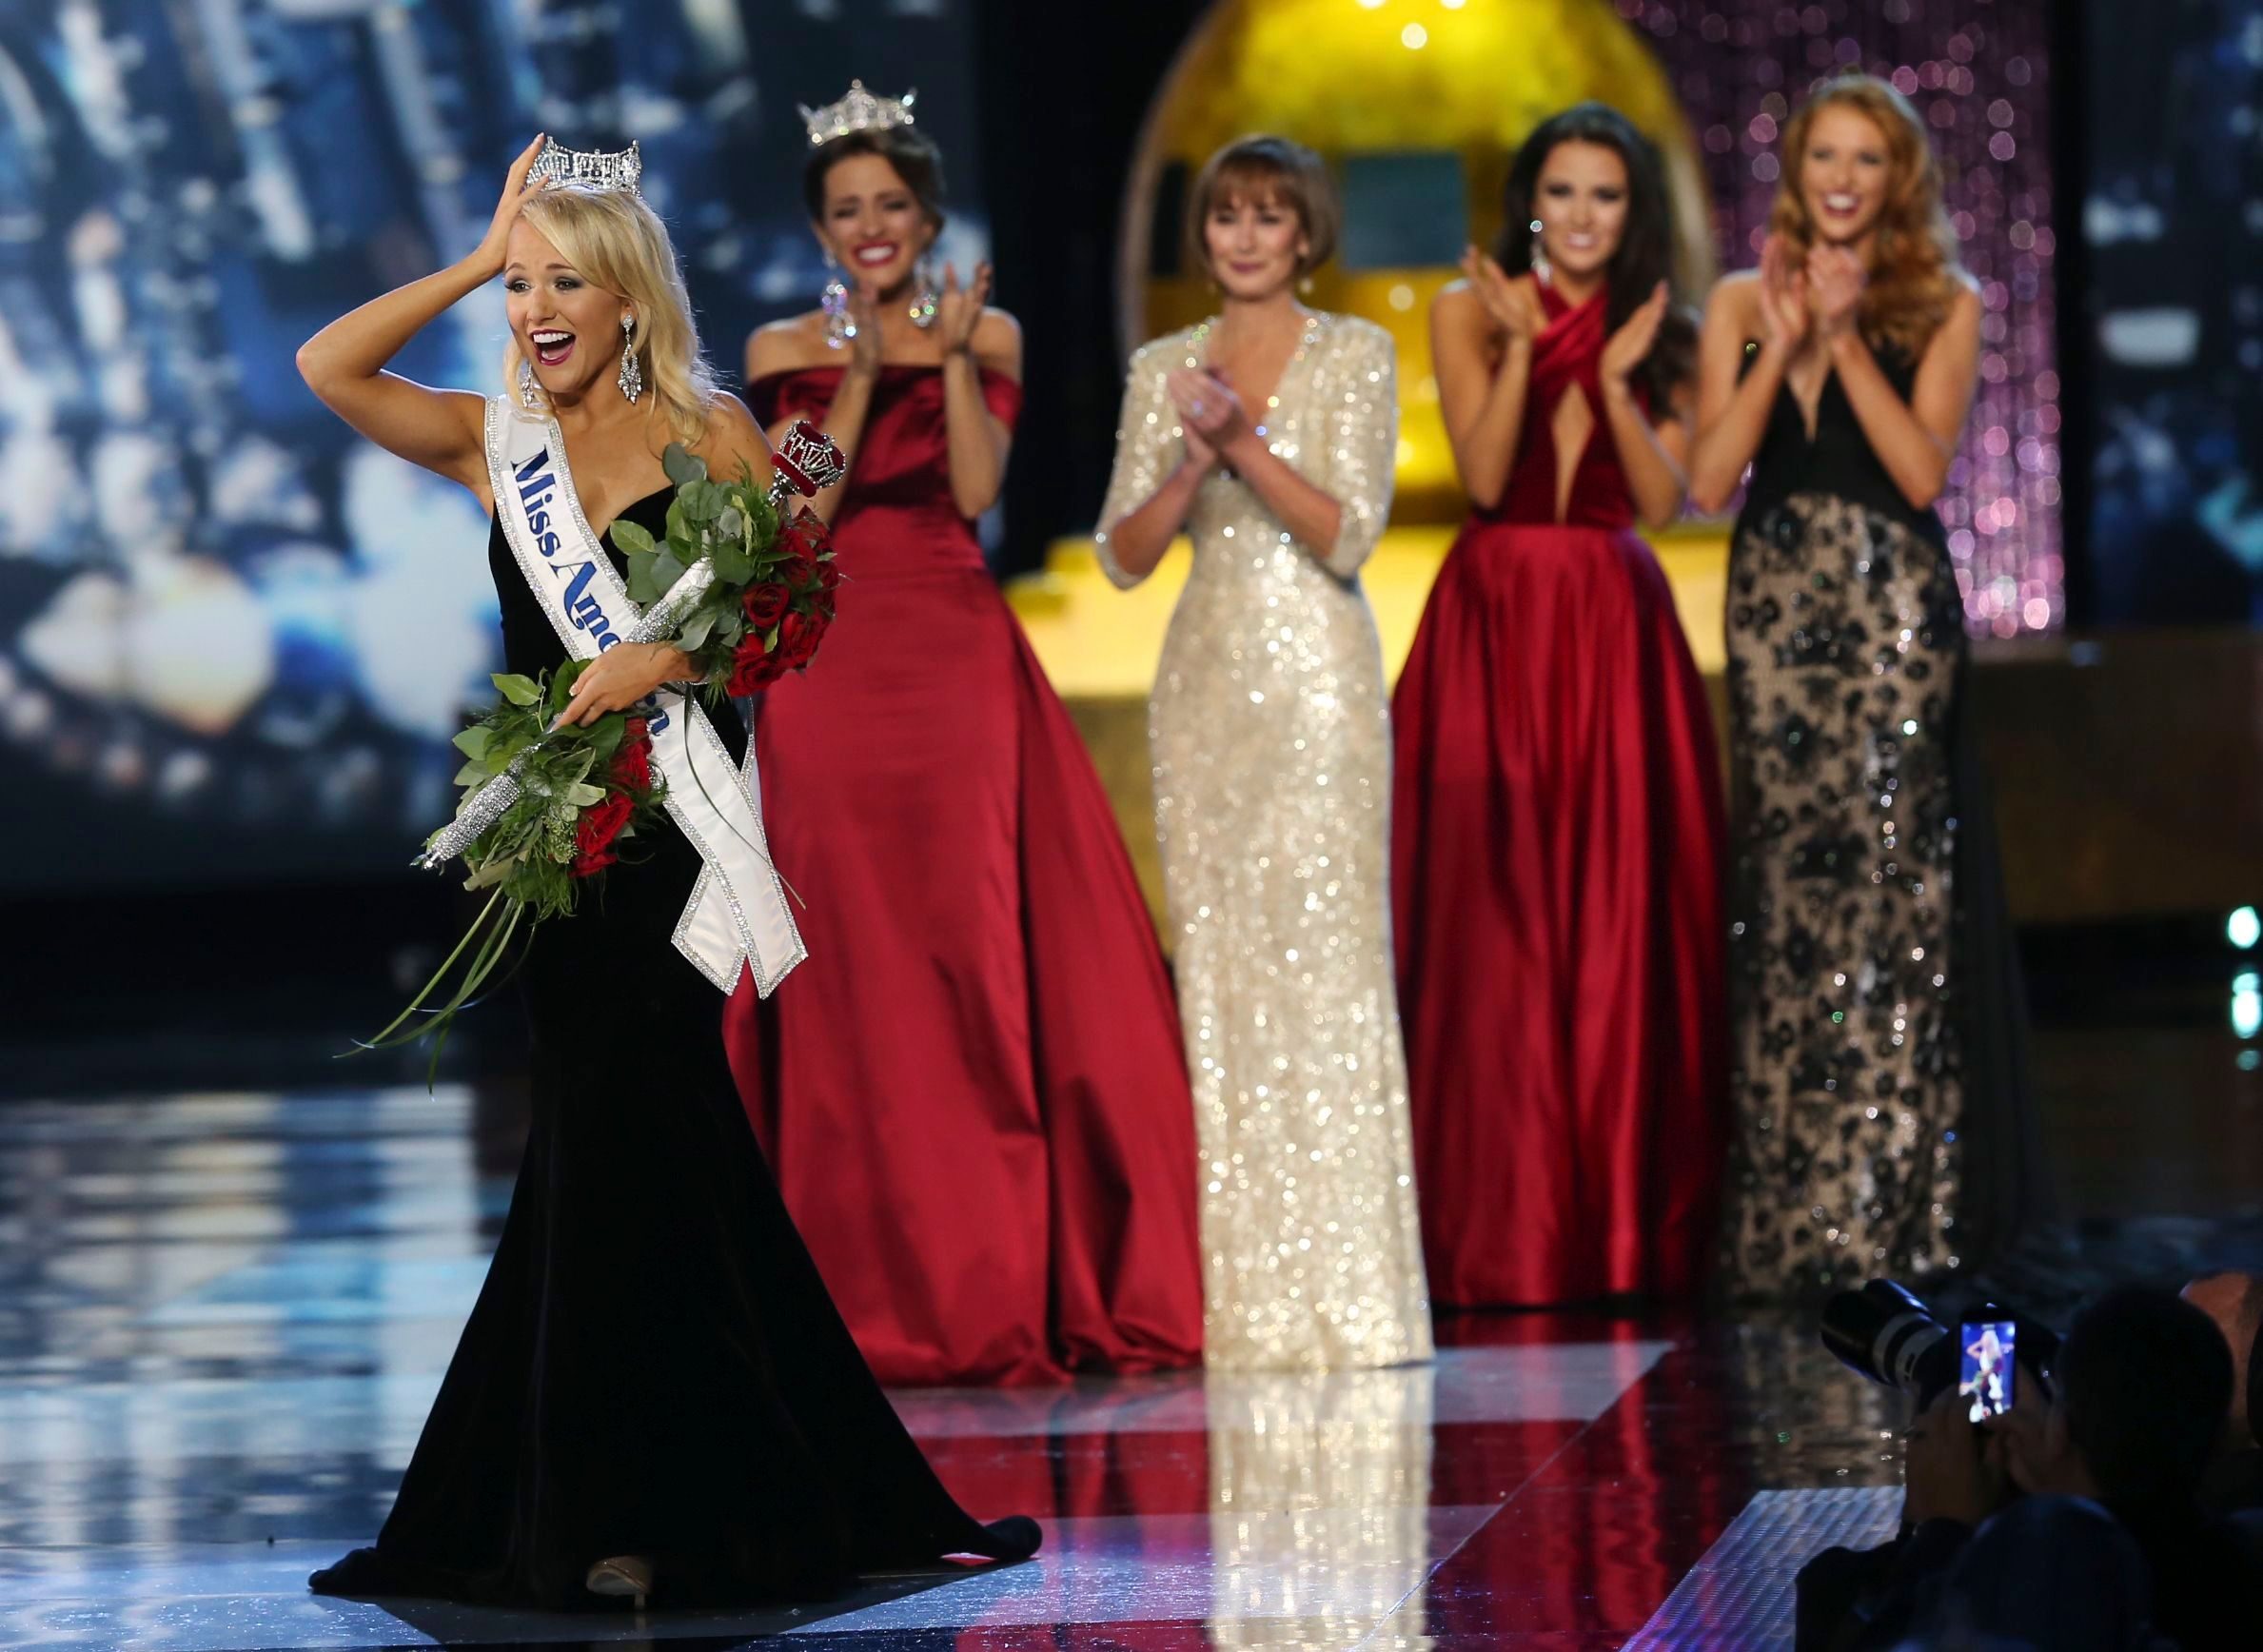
(742, 589)
(580, 792)
(745, 593)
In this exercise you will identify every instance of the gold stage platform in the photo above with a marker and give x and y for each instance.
(1098, 643)
(2129, 767)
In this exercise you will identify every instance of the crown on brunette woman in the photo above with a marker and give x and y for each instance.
(860, 111)
(590, 169)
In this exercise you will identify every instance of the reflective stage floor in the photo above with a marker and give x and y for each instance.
(222, 1316)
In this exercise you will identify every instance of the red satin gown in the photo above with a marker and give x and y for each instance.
(973, 1092)
(1556, 886)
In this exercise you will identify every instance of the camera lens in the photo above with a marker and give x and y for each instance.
(1883, 1333)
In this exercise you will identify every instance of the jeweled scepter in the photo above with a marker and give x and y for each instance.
(806, 463)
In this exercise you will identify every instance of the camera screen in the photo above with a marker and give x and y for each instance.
(1984, 1373)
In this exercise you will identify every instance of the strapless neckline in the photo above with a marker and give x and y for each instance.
(666, 490)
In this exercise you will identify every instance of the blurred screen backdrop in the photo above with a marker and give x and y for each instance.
(234, 638)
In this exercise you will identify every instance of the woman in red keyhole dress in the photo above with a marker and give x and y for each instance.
(1556, 850)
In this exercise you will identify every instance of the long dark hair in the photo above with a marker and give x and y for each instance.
(1645, 255)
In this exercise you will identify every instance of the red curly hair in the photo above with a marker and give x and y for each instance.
(1916, 271)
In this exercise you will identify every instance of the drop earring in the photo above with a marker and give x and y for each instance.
(839, 325)
(923, 301)
(631, 377)
(1540, 256)
(531, 391)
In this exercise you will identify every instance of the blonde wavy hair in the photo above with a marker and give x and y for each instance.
(1915, 275)
(618, 244)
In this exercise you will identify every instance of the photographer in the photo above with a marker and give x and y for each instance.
(2144, 1384)
(2234, 1301)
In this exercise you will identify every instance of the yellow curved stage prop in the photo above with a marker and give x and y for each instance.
(1419, 106)
(1098, 642)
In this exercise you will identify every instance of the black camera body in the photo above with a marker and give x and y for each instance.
(1884, 1332)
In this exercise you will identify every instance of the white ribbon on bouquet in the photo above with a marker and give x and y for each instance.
(738, 910)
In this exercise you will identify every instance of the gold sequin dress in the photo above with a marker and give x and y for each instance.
(1271, 736)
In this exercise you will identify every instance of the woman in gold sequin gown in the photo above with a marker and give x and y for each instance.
(1269, 434)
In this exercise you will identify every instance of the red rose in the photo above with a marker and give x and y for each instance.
(601, 823)
(829, 575)
(632, 764)
(802, 542)
(765, 605)
(797, 639)
(809, 531)
(753, 667)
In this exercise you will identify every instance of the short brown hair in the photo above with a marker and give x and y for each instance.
(1271, 167)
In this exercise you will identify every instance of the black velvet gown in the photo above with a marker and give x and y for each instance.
(654, 1366)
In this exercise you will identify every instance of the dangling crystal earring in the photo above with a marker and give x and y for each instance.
(531, 391)
(631, 377)
(1540, 256)
(923, 301)
(839, 325)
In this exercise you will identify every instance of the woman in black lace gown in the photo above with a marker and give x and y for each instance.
(1880, 1125)
(654, 1393)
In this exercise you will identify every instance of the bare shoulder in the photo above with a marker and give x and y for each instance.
(734, 437)
(997, 343)
(787, 345)
(1740, 286)
(1957, 338)
(1459, 311)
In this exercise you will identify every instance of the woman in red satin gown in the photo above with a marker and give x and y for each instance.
(1557, 840)
(973, 1092)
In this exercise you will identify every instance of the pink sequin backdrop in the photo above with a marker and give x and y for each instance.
(1979, 73)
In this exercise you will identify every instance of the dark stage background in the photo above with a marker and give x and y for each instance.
(2171, 321)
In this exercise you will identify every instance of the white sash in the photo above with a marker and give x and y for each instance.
(737, 908)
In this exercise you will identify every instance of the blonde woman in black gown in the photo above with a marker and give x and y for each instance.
(654, 1395)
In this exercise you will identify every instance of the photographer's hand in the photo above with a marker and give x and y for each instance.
(2040, 1458)
(1946, 1473)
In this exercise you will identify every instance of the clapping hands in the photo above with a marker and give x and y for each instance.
(958, 312)
(1211, 413)
(1628, 347)
(1784, 314)
(1835, 281)
(1512, 302)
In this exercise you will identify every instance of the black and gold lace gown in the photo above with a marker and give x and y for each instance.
(654, 1366)
(1881, 1121)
